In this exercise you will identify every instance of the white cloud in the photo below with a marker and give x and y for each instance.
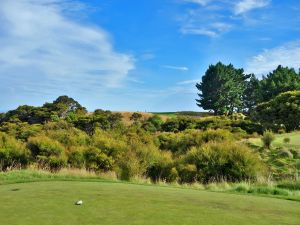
(199, 31)
(181, 68)
(269, 59)
(244, 6)
(211, 30)
(213, 18)
(200, 2)
(41, 39)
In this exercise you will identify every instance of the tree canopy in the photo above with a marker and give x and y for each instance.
(222, 89)
(225, 89)
(282, 79)
(283, 110)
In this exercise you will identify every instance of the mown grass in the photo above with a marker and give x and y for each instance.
(52, 202)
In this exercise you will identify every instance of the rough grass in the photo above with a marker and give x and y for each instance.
(52, 202)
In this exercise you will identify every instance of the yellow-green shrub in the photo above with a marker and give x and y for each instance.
(12, 153)
(217, 161)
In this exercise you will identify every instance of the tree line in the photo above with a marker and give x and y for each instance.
(225, 89)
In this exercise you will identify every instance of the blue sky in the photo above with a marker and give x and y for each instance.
(137, 55)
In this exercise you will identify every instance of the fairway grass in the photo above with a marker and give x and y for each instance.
(52, 203)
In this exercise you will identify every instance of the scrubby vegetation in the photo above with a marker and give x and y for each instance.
(182, 148)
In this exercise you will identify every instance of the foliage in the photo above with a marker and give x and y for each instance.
(136, 117)
(286, 140)
(163, 168)
(153, 124)
(63, 135)
(221, 89)
(282, 79)
(283, 110)
(223, 161)
(267, 138)
(182, 142)
(252, 94)
(13, 153)
(44, 146)
(100, 119)
(96, 159)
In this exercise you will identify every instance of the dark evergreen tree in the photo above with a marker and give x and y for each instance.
(222, 89)
(282, 79)
(252, 94)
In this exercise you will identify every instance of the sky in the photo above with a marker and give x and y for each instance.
(137, 55)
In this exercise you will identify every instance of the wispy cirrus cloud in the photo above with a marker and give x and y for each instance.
(211, 30)
(200, 2)
(248, 5)
(180, 68)
(213, 18)
(42, 42)
(285, 55)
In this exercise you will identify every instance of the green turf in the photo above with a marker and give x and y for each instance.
(278, 142)
(52, 202)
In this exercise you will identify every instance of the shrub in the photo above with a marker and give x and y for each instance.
(216, 135)
(224, 161)
(95, 159)
(44, 146)
(178, 124)
(111, 143)
(156, 121)
(286, 140)
(68, 136)
(281, 110)
(129, 166)
(136, 117)
(56, 163)
(267, 139)
(76, 159)
(163, 168)
(12, 153)
(183, 141)
(187, 173)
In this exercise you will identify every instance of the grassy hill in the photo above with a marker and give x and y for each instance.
(105, 202)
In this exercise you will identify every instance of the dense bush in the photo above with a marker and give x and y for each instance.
(96, 159)
(163, 168)
(178, 124)
(13, 153)
(181, 142)
(20, 130)
(223, 161)
(76, 158)
(283, 110)
(44, 146)
(184, 149)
